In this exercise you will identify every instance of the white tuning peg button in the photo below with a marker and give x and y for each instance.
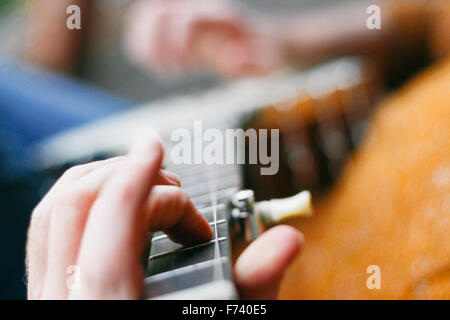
(277, 211)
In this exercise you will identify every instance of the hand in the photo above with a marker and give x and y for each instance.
(96, 217)
(170, 36)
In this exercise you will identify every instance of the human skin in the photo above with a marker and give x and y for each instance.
(97, 214)
(218, 35)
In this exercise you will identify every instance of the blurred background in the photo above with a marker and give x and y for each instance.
(36, 51)
(53, 79)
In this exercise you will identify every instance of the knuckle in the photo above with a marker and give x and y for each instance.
(73, 172)
(127, 192)
(73, 197)
(178, 200)
(167, 205)
(178, 192)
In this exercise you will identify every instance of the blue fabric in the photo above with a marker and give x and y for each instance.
(35, 104)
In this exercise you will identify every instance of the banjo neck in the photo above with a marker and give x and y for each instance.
(320, 123)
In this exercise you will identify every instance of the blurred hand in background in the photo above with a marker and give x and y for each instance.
(171, 36)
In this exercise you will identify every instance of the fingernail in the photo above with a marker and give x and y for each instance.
(171, 176)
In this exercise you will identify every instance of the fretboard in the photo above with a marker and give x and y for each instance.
(319, 128)
(185, 271)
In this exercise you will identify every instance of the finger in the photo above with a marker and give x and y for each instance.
(187, 32)
(235, 57)
(189, 24)
(69, 214)
(36, 260)
(267, 57)
(115, 230)
(259, 269)
(169, 209)
(178, 39)
(244, 56)
(162, 56)
(141, 33)
(167, 178)
(207, 38)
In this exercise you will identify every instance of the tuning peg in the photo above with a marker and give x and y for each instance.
(277, 211)
(251, 218)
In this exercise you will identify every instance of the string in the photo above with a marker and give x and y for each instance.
(217, 268)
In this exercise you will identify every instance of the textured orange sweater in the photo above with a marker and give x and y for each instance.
(391, 207)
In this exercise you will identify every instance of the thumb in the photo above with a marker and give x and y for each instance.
(260, 268)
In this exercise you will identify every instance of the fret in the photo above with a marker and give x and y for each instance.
(174, 248)
(203, 187)
(167, 256)
(171, 266)
(185, 270)
(221, 214)
(209, 210)
(185, 258)
(204, 200)
(160, 235)
(164, 244)
(186, 277)
(190, 179)
(208, 213)
(196, 171)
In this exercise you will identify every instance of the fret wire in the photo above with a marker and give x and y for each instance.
(207, 196)
(194, 175)
(198, 171)
(226, 177)
(190, 179)
(196, 167)
(215, 223)
(222, 181)
(184, 270)
(216, 240)
(212, 223)
(207, 209)
(202, 187)
(189, 169)
(213, 190)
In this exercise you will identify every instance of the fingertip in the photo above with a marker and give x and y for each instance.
(264, 261)
(288, 235)
(204, 231)
(147, 148)
(171, 176)
(208, 230)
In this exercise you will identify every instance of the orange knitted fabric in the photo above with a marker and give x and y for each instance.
(391, 207)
